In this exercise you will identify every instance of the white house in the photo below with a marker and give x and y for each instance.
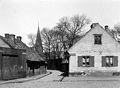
(96, 51)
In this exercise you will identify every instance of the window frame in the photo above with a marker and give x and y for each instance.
(106, 61)
(87, 63)
(83, 62)
(97, 42)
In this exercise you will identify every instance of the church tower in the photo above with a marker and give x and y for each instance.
(38, 43)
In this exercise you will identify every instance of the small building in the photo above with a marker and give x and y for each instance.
(34, 62)
(96, 51)
(12, 61)
(14, 55)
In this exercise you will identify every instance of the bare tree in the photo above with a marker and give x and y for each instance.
(32, 38)
(117, 27)
(77, 22)
(47, 36)
(52, 42)
(58, 42)
(62, 36)
(61, 31)
(70, 28)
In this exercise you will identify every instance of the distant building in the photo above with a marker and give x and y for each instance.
(97, 50)
(38, 44)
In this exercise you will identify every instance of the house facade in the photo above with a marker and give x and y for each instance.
(12, 61)
(97, 50)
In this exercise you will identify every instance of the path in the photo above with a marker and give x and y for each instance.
(52, 81)
(55, 76)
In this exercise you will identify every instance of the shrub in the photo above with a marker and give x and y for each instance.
(116, 73)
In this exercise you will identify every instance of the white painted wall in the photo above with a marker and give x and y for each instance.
(86, 46)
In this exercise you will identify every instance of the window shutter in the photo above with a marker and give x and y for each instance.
(115, 61)
(91, 61)
(103, 61)
(80, 61)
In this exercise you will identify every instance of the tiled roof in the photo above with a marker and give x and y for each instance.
(31, 54)
(6, 42)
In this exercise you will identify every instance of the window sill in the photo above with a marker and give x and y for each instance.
(97, 44)
(110, 66)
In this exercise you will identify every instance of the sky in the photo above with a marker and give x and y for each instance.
(21, 17)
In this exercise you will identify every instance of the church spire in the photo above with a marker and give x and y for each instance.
(38, 43)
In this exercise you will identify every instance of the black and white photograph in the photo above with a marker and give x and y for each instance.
(59, 43)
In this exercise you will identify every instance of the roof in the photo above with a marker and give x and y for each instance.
(31, 54)
(108, 31)
(6, 42)
(94, 25)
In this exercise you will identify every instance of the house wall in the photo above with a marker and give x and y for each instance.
(12, 64)
(73, 64)
(86, 46)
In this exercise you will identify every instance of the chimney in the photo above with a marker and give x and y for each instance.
(6, 35)
(106, 27)
(12, 37)
(93, 25)
(19, 38)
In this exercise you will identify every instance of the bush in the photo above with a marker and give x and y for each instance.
(100, 74)
(116, 74)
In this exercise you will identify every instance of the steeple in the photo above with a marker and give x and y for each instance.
(38, 43)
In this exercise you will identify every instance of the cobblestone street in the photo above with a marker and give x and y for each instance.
(81, 84)
(53, 81)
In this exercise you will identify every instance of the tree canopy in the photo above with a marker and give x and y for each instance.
(62, 36)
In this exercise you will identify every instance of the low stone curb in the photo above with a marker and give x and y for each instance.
(21, 80)
(71, 79)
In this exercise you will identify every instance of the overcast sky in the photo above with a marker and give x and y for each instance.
(20, 17)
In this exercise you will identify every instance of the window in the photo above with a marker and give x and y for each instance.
(109, 61)
(97, 39)
(85, 61)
